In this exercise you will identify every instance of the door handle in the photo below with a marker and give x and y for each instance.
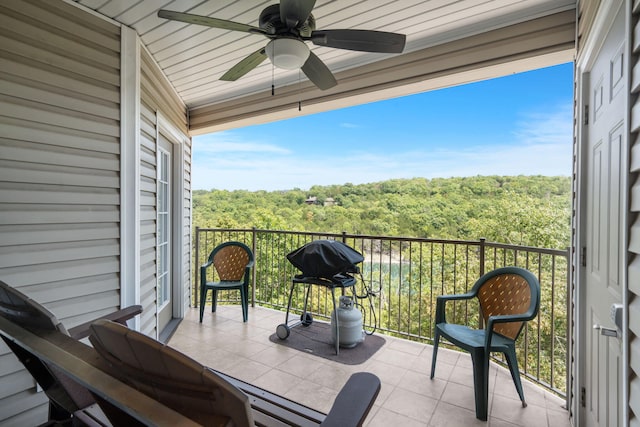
(609, 332)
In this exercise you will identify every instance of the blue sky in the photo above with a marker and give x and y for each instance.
(515, 125)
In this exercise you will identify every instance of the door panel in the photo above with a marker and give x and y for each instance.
(605, 192)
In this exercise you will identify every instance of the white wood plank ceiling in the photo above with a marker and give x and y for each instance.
(193, 57)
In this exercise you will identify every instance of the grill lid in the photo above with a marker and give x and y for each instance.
(325, 258)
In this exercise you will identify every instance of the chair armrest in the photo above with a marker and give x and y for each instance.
(442, 299)
(203, 272)
(468, 295)
(504, 318)
(354, 401)
(120, 316)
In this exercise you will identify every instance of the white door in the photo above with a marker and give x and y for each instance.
(603, 257)
(163, 235)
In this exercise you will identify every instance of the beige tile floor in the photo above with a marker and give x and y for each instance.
(407, 398)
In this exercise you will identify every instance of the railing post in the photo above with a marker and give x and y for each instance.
(481, 260)
(254, 246)
(482, 247)
(197, 272)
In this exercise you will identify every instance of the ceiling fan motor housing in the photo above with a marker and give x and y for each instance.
(270, 22)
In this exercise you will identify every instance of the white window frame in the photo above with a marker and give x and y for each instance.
(164, 174)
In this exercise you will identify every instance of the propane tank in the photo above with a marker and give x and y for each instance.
(349, 323)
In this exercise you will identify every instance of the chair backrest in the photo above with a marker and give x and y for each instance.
(231, 260)
(508, 290)
(170, 377)
(27, 313)
(22, 310)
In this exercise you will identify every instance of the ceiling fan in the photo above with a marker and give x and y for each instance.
(289, 25)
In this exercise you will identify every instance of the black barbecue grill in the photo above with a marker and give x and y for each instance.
(327, 263)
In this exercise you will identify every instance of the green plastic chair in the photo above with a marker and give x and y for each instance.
(508, 297)
(232, 262)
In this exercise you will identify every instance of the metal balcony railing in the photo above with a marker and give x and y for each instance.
(406, 275)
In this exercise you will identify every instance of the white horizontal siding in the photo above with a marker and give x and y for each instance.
(59, 173)
(148, 189)
(70, 289)
(148, 297)
(36, 132)
(45, 193)
(36, 254)
(23, 404)
(17, 213)
(28, 89)
(186, 231)
(148, 215)
(42, 233)
(56, 272)
(26, 172)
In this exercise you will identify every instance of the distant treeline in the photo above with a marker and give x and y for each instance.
(523, 210)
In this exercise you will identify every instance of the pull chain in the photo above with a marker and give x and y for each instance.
(273, 80)
(299, 92)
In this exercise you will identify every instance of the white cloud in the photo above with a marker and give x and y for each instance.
(226, 142)
(349, 125)
(554, 127)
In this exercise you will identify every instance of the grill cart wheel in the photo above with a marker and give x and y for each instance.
(306, 319)
(283, 331)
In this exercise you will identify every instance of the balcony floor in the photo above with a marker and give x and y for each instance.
(408, 397)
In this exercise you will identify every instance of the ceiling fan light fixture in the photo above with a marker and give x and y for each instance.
(286, 53)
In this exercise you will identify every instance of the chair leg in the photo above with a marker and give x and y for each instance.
(203, 296)
(512, 361)
(337, 325)
(436, 341)
(214, 300)
(244, 301)
(481, 383)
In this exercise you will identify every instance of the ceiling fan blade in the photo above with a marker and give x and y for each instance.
(190, 18)
(294, 12)
(244, 66)
(318, 73)
(362, 40)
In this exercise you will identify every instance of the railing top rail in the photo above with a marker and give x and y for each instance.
(548, 251)
(559, 252)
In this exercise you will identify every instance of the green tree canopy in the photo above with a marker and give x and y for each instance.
(524, 210)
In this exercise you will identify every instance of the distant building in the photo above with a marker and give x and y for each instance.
(312, 200)
(329, 201)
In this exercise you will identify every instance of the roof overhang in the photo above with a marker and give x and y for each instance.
(448, 43)
(538, 43)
